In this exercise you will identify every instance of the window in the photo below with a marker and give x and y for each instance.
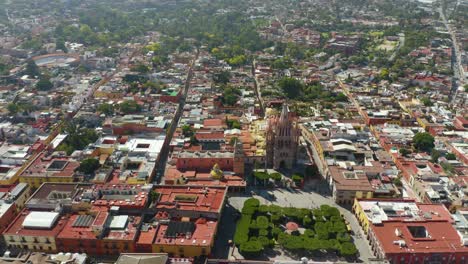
(418, 231)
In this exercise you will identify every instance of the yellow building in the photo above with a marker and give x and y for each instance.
(49, 168)
(9, 175)
(361, 215)
(34, 231)
(376, 211)
(20, 195)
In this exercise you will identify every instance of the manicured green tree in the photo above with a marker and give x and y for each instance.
(307, 221)
(338, 227)
(250, 206)
(312, 244)
(251, 248)
(293, 243)
(343, 237)
(263, 209)
(347, 249)
(322, 230)
(265, 241)
(276, 218)
(309, 233)
(263, 232)
(262, 222)
(262, 177)
(318, 215)
(275, 232)
(275, 209)
(324, 208)
(252, 202)
(297, 178)
(333, 244)
(276, 176)
(242, 230)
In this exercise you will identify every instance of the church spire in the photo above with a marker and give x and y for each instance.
(284, 113)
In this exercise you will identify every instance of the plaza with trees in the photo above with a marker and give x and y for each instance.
(299, 231)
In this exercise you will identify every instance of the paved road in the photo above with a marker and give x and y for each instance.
(458, 72)
(257, 88)
(401, 43)
(309, 199)
(164, 154)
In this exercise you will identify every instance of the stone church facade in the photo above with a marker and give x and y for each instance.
(282, 139)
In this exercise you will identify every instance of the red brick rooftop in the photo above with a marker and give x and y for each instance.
(129, 233)
(122, 195)
(40, 167)
(16, 227)
(443, 238)
(203, 235)
(85, 232)
(205, 199)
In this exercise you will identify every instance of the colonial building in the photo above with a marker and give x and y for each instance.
(282, 138)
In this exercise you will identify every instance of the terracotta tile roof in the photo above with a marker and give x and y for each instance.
(203, 200)
(16, 227)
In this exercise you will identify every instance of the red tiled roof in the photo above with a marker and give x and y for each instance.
(71, 232)
(212, 122)
(444, 238)
(203, 235)
(205, 200)
(16, 227)
(128, 234)
(40, 167)
(212, 135)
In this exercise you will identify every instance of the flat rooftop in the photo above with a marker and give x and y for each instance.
(123, 230)
(51, 166)
(81, 226)
(203, 234)
(50, 194)
(191, 198)
(350, 180)
(17, 226)
(378, 211)
(122, 195)
(418, 237)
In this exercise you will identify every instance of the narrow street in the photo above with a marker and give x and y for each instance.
(401, 43)
(164, 154)
(458, 73)
(258, 94)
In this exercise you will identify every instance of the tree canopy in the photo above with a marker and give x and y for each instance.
(423, 141)
(44, 84)
(31, 69)
(291, 86)
(89, 165)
